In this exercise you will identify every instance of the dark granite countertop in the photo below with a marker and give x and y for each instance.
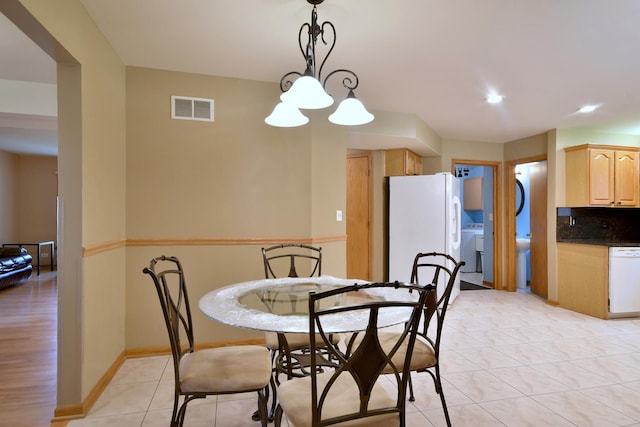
(598, 242)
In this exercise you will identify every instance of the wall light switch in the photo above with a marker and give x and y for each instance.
(339, 215)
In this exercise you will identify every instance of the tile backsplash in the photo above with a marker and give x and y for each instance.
(606, 224)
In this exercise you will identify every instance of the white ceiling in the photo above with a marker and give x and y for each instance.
(436, 59)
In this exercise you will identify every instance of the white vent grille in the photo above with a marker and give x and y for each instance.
(188, 108)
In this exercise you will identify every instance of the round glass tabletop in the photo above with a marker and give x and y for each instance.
(282, 305)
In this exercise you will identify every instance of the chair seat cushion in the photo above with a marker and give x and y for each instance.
(294, 341)
(225, 369)
(423, 354)
(295, 398)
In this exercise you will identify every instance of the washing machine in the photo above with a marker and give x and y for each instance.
(468, 246)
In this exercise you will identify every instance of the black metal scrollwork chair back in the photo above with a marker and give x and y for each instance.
(352, 393)
(287, 259)
(431, 268)
(213, 371)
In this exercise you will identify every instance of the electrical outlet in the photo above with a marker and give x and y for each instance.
(338, 215)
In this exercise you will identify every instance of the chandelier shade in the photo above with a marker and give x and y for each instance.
(351, 112)
(307, 93)
(308, 90)
(286, 115)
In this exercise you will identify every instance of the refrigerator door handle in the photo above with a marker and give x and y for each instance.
(457, 212)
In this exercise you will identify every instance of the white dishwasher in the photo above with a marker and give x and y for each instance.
(624, 279)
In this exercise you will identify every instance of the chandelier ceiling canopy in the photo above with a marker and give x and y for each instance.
(307, 90)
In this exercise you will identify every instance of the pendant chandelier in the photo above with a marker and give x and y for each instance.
(308, 89)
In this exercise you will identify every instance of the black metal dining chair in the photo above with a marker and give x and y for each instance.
(430, 269)
(213, 371)
(290, 352)
(352, 392)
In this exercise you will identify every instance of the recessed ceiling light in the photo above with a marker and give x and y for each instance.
(494, 98)
(588, 108)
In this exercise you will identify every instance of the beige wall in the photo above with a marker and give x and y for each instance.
(468, 150)
(36, 198)
(233, 180)
(8, 195)
(524, 148)
(28, 190)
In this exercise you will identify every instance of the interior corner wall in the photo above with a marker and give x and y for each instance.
(8, 196)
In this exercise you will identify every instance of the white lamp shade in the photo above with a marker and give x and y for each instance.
(307, 92)
(351, 112)
(286, 116)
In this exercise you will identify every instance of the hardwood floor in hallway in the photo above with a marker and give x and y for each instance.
(28, 348)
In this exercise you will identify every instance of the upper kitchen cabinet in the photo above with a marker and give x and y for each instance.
(602, 175)
(402, 161)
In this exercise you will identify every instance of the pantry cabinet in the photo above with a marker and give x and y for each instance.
(402, 161)
(602, 175)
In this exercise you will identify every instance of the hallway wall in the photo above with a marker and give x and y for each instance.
(28, 190)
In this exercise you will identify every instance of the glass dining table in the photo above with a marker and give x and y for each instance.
(282, 305)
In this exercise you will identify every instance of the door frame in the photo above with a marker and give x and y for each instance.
(496, 167)
(511, 216)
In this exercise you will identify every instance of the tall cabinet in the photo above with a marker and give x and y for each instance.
(602, 175)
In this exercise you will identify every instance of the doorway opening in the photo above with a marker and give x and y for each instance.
(527, 225)
(481, 221)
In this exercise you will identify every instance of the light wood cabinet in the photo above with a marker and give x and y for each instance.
(601, 175)
(402, 161)
(583, 279)
(472, 194)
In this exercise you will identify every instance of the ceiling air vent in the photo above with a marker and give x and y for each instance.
(188, 108)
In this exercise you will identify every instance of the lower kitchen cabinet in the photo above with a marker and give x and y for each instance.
(583, 279)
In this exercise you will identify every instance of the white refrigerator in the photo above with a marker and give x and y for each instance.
(423, 216)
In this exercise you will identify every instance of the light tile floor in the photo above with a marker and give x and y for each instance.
(508, 360)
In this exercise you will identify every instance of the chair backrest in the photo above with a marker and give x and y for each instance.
(435, 268)
(168, 277)
(365, 360)
(292, 260)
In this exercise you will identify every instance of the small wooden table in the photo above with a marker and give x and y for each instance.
(39, 245)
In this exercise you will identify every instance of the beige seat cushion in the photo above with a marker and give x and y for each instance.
(295, 341)
(226, 369)
(423, 355)
(295, 398)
